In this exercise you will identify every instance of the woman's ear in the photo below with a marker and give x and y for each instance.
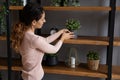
(34, 22)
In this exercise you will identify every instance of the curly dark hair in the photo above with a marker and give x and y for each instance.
(32, 11)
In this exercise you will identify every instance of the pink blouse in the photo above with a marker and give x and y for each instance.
(32, 51)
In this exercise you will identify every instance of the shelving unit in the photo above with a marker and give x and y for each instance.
(107, 71)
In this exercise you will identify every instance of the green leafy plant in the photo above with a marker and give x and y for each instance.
(59, 2)
(13, 2)
(92, 55)
(65, 2)
(72, 24)
(3, 12)
(56, 2)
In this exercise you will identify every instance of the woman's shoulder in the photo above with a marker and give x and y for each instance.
(32, 36)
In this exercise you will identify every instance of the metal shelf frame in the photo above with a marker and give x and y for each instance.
(111, 25)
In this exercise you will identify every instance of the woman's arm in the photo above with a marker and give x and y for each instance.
(41, 44)
(54, 36)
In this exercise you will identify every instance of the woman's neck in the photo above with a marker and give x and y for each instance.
(31, 30)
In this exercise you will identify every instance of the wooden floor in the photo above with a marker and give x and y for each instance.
(61, 68)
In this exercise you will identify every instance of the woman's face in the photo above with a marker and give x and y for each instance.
(40, 22)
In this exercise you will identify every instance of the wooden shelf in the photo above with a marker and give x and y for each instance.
(88, 8)
(88, 40)
(116, 41)
(16, 7)
(82, 70)
(118, 8)
(67, 8)
(93, 40)
(61, 68)
(2, 38)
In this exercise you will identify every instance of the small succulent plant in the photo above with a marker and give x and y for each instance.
(72, 24)
(92, 55)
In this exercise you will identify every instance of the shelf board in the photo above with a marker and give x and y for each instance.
(93, 40)
(16, 7)
(81, 8)
(118, 8)
(61, 68)
(80, 70)
(67, 8)
(116, 41)
(87, 40)
(2, 38)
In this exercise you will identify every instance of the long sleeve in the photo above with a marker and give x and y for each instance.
(53, 37)
(41, 44)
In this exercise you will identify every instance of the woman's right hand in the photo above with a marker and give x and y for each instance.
(67, 35)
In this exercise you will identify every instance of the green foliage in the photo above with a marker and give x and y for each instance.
(72, 24)
(13, 2)
(16, 2)
(59, 2)
(3, 12)
(56, 2)
(92, 55)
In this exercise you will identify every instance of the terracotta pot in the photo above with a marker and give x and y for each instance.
(93, 64)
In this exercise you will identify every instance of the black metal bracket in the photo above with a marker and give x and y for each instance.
(111, 25)
(9, 59)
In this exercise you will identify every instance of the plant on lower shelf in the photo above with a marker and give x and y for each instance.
(51, 59)
(93, 60)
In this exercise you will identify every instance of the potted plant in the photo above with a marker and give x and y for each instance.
(59, 2)
(13, 2)
(18, 2)
(73, 25)
(93, 60)
(3, 13)
(56, 2)
(51, 59)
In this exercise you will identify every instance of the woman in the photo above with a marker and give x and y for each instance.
(31, 46)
